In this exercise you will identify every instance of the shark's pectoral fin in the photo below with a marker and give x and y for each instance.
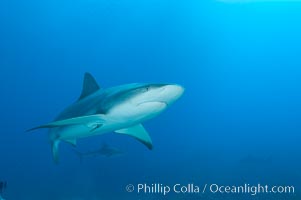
(139, 133)
(85, 120)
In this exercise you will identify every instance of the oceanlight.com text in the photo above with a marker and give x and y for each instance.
(192, 188)
(251, 189)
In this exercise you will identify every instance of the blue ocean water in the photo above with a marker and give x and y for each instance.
(238, 121)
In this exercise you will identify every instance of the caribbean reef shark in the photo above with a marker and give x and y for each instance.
(119, 109)
(105, 150)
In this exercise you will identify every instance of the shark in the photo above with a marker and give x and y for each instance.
(105, 150)
(121, 109)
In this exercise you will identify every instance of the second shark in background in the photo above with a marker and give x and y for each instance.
(105, 150)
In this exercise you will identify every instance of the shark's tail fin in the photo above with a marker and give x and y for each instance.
(55, 150)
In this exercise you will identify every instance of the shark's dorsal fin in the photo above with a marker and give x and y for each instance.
(89, 86)
(139, 133)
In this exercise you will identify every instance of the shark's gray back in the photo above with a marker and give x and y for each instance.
(101, 101)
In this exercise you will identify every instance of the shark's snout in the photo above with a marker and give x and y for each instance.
(172, 92)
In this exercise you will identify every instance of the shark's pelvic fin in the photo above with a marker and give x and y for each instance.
(85, 120)
(89, 86)
(71, 141)
(139, 133)
(55, 150)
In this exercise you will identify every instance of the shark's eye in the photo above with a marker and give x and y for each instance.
(142, 89)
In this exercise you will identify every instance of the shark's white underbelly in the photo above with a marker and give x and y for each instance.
(123, 116)
(82, 131)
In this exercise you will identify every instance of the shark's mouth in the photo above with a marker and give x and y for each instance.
(160, 102)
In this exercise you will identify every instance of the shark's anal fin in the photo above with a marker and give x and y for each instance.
(138, 132)
(89, 86)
